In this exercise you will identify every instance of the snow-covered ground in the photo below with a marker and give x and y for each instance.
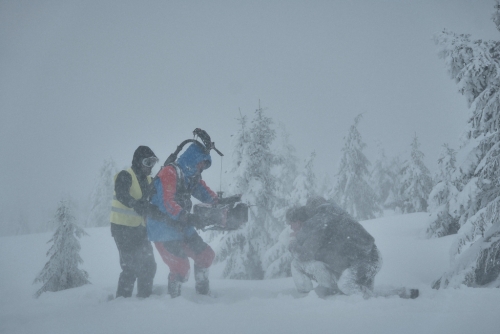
(270, 306)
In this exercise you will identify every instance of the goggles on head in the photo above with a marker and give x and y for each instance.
(149, 162)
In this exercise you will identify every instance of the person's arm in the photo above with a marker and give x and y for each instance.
(168, 185)
(308, 241)
(204, 194)
(122, 188)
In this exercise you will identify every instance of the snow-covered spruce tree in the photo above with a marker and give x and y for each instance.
(382, 178)
(61, 271)
(277, 259)
(236, 182)
(415, 181)
(394, 201)
(325, 187)
(240, 144)
(286, 171)
(443, 222)
(243, 250)
(305, 185)
(474, 65)
(352, 191)
(102, 195)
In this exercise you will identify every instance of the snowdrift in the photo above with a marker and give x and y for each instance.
(269, 306)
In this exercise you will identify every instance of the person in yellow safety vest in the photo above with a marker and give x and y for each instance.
(128, 226)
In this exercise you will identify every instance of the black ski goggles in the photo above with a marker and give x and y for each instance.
(149, 162)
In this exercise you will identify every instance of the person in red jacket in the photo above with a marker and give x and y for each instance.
(173, 228)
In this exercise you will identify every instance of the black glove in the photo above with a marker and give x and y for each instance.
(292, 246)
(140, 206)
(194, 220)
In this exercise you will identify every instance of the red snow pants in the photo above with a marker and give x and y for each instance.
(175, 254)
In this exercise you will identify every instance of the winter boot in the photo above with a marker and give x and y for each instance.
(202, 283)
(174, 288)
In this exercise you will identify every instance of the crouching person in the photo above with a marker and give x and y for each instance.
(332, 248)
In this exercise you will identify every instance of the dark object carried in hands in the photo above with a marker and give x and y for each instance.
(229, 214)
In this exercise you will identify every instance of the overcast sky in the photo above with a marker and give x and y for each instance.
(82, 81)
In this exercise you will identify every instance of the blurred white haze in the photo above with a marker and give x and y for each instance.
(84, 81)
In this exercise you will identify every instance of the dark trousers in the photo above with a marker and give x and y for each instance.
(136, 260)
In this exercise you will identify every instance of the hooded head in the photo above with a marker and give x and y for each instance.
(295, 216)
(313, 203)
(194, 160)
(141, 153)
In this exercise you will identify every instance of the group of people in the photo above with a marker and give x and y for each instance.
(158, 210)
(328, 245)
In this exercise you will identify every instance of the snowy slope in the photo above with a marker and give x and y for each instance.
(270, 306)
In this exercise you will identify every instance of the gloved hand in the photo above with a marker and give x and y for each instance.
(194, 220)
(292, 246)
(140, 206)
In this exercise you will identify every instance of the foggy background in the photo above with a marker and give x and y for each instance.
(84, 81)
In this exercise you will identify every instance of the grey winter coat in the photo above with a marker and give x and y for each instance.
(332, 236)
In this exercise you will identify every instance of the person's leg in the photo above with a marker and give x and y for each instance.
(359, 279)
(347, 282)
(301, 279)
(173, 255)
(124, 239)
(327, 282)
(127, 277)
(370, 268)
(146, 269)
(203, 256)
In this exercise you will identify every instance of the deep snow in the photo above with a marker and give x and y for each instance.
(270, 306)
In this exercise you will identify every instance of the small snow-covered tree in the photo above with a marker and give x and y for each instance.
(61, 271)
(305, 185)
(416, 181)
(102, 195)
(325, 187)
(277, 259)
(352, 191)
(443, 222)
(243, 250)
(286, 171)
(393, 200)
(474, 65)
(382, 177)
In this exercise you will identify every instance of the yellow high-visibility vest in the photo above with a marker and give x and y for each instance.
(123, 215)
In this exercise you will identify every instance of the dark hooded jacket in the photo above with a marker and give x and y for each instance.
(124, 179)
(332, 236)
